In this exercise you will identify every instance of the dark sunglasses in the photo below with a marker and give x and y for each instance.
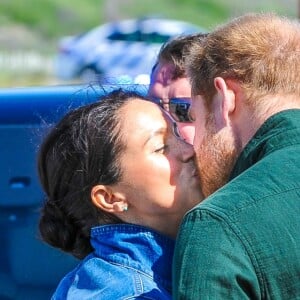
(178, 108)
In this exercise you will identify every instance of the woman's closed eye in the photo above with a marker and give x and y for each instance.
(161, 149)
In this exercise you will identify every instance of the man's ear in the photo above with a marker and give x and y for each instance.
(103, 197)
(226, 96)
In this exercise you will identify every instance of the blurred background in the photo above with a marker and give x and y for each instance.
(40, 40)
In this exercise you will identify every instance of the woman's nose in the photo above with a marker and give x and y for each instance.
(187, 151)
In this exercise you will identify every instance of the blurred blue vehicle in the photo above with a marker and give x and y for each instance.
(123, 48)
(29, 268)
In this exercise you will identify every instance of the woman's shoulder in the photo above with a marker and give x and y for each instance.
(98, 278)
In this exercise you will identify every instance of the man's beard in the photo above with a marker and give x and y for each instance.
(216, 157)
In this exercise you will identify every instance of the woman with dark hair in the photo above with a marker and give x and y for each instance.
(118, 179)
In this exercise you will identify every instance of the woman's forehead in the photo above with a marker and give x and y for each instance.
(141, 116)
(137, 108)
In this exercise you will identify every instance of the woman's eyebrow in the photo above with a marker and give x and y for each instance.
(158, 131)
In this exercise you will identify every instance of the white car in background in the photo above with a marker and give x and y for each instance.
(125, 49)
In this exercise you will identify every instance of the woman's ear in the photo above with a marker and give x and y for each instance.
(226, 95)
(103, 197)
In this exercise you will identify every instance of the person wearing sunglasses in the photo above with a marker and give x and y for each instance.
(169, 86)
(118, 180)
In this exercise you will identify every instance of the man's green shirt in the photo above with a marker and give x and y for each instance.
(243, 242)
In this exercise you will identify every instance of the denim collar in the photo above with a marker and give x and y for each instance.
(136, 247)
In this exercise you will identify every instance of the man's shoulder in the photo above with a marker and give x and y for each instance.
(260, 188)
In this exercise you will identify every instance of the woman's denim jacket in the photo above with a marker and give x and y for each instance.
(128, 262)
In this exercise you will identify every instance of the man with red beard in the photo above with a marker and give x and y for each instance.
(243, 240)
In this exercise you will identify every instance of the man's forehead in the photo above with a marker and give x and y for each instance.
(164, 73)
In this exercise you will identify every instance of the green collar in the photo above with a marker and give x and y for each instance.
(279, 131)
